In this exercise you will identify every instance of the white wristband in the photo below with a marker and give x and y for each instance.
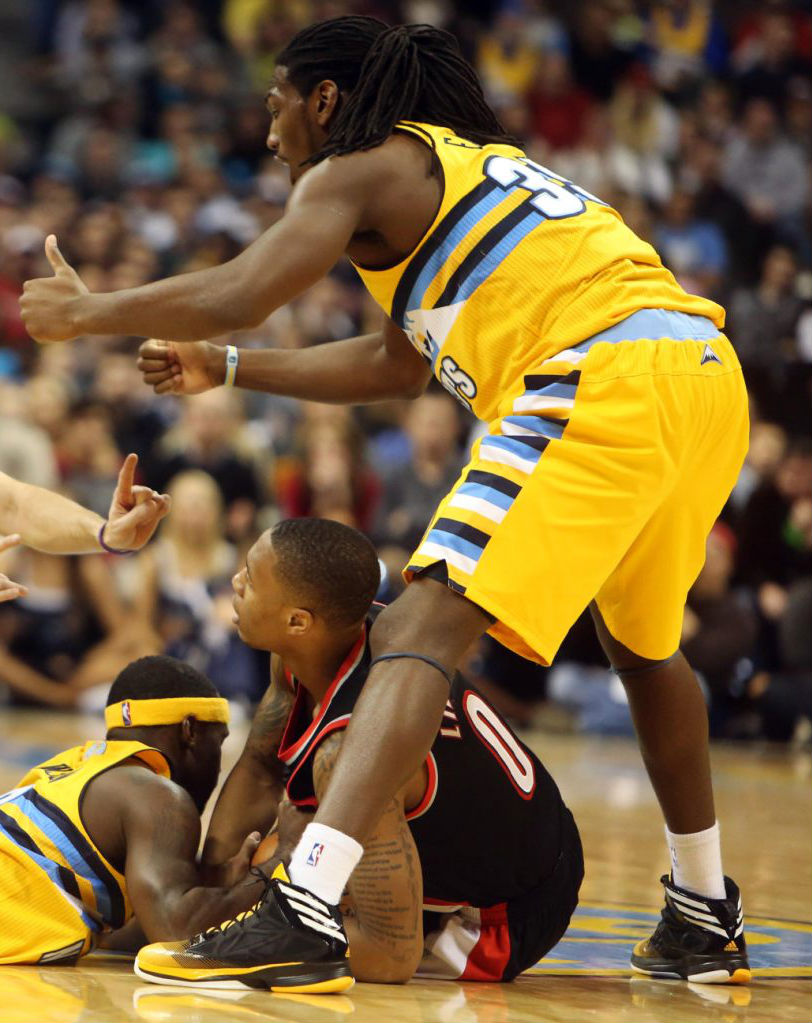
(232, 361)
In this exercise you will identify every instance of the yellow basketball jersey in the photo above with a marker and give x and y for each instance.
(518, 265)
(56, 889)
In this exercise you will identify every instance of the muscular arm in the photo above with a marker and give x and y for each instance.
(325, 209)
(373, 367)
(249, 800)
(383, 918)
(161, 831)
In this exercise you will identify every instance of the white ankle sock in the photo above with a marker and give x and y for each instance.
(323, 861)
(696, 862)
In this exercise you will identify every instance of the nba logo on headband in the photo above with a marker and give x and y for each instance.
(126, 716)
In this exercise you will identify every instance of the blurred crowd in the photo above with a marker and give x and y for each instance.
(136, 132)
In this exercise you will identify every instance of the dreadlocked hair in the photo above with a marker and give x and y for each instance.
(388, 75)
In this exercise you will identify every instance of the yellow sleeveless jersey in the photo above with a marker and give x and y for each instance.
(56, 888)
(518, 265)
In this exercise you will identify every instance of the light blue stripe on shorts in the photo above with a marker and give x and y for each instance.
(655, 324)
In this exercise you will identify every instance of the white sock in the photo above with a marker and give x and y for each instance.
(696, 862)
(323, 861)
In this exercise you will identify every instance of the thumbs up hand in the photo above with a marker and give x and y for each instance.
(50, 305)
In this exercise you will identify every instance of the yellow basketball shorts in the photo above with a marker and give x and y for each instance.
(601, 480)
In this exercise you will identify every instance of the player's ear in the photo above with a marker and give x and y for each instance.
(326, 98)
(188, 730)
(300, 621)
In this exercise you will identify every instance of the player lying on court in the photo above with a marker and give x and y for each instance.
(51, 523)
(478, 837)
(111, 829)
(617, 420)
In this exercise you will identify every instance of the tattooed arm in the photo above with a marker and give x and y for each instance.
(384, 914)
(249, 800)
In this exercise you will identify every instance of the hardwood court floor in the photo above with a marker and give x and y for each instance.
(765, 806)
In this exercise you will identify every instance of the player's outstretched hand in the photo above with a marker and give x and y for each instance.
(48, 304)
(135, 511)
(172, 368)
(9, 590)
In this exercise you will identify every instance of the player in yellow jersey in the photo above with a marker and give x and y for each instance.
(111, 828)
(616, 409)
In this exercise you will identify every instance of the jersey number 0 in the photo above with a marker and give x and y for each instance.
(501, 742)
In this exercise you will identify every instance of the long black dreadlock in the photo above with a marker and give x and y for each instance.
(387, 75)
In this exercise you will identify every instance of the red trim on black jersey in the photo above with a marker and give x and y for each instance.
(288, 753)
(430, 791)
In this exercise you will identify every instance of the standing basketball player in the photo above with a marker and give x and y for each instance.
(617, 424)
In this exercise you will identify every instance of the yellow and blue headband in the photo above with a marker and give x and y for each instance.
(168, 711)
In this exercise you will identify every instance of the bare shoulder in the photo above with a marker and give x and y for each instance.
(135, 789)
(361, 176)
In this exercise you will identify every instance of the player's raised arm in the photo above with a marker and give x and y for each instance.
(325, 209)
(383, 916)
(56, 525)
(250, 798)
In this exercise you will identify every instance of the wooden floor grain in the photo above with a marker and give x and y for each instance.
(764, 802)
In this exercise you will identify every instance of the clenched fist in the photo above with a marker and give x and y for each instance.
(173, 368)
(49, 305)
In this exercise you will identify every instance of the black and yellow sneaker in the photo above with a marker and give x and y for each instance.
(288, 941)
(697, 939)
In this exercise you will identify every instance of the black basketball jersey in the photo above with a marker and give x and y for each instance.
(488, 826)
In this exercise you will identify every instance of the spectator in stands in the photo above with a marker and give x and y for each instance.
(762, 320)
(412, 492)
(720, 628)
(183, 595)
(693, 249)
(208, 437)
(331, 479)
(767, 171)
(775, 536)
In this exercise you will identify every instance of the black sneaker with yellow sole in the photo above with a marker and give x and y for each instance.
(697, 939)
(288, 941)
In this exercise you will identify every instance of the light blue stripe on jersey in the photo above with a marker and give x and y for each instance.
(543, 427)
(442, 255)
(77, 862)
(454, 543)
(494, 257)
(494, 497)
(51, 869)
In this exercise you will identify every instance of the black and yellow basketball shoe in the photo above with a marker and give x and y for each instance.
(697, 939)
(288, 941)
